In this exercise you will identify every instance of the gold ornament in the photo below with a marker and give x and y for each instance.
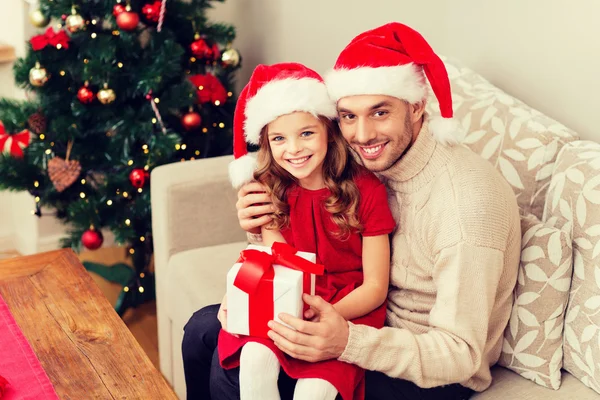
(38, 76)
(106, 95)
(38, 18)
(74, 22)
(231, 58)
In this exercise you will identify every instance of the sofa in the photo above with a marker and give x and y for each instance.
(551, 347)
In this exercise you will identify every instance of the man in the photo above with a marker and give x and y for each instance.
(456, 249)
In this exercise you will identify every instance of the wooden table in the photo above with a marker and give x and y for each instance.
(85, 348)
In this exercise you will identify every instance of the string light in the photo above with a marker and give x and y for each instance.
(154, 120)
(183, 146)
(142, 275)
(48, 151)
(217, 103)
(197, 152)
(126, 289)
(127, 222)
(125, 194)
(193, 59)
(62, 73)
(204, 130)
(109, 202)
(139, 190)
(82, 195)
(94, 22)
(86, 61)
(120, 65)
(94, 35)
(131, 251)
(130, 162)
(229, 94)
(156, 100)
(145, 146)
(116, 33)
(142, 238)
(37, 199)
(177, 147)
(146, 167)
(200, 87)
(141, 289)
(83, 181)
(214, 124)
(221, 125)
(36, 184)
(42, 136)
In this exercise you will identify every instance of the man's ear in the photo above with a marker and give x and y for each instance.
(417, 110)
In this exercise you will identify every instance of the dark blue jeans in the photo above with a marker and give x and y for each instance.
(206, 380)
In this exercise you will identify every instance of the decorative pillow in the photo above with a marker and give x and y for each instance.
(574, 202)
(533, 340)
(521, 142)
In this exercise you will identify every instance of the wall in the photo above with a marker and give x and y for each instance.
(546, 52)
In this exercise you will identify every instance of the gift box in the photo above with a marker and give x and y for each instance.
(265, 282)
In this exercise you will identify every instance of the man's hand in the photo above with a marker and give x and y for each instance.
(222, 314)
(254, 207)
(312, 341)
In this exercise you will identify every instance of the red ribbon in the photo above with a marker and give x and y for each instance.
(256, 275)
(15, 143)
(51, 38)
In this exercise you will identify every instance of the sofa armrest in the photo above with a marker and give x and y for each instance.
(193, 205)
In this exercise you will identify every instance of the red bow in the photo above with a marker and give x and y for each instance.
(14, 144)
(50, 37)
(255, 277)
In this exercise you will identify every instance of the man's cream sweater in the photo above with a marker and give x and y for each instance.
(455, 259)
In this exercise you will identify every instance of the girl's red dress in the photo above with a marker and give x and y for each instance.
(310, 231)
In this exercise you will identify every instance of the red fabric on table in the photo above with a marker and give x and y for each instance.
(19, 365)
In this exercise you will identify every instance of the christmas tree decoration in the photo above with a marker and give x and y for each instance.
(38, 76)
(209, 89)
(92, 239)
(36, 16)
(74, 22)
(191, 120)
(152, 11)
(203, 50)
(138, 177)
(128, 20)
(37, 123)
(106, 95)
(85, 94)
(116, 42)
(118, 9)
(13, 144)
(58, 40)
(230, 58)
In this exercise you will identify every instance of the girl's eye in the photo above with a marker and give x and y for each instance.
(306, 133)
(276, 138)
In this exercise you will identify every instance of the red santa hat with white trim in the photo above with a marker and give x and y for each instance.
(273, 91)
(393, 60)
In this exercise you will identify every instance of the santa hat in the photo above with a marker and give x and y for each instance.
(393, 60)
(273, 91)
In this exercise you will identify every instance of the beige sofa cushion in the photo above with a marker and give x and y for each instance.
(574, 203)
(507, 385)
(532, 344)
(521, 142)
(197, 278)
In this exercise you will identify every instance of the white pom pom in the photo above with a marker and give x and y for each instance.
(446, 131)
(241, 170)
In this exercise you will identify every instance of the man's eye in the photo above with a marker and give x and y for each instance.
(306, 133)
(348, 117)
(380, 113)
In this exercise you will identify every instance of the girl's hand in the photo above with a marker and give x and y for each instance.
(222, 314)
(312, 315)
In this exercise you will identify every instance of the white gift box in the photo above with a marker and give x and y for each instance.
(287, 293)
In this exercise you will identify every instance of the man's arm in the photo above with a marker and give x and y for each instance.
(254, 208)
(467, 278)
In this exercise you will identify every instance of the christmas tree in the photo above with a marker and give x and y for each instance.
(117, 88)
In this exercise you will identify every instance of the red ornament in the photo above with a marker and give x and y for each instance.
(50, 38)
(152, 11)
(202, 50)
(92, 239)
(137, 177)
(118, 9)
(14, 144)
(191, 120)
(86, 95)
(128, 20)
(209, 89)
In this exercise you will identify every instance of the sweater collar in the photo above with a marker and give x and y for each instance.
(418, 165)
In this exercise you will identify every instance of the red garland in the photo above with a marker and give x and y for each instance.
(51, 38)
(209, 89)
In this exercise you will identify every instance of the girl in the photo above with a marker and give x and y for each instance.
(325, 204)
